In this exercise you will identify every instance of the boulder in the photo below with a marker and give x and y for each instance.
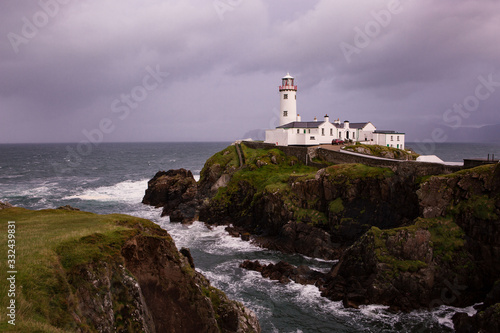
(175, 191)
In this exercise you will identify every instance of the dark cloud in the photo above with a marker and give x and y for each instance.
(225, 63)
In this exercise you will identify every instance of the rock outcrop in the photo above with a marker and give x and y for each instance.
(285, 273)
(286, 205)
(178, 297)
(114, 273)
(421, 266)
(175, 191)
(449, 257)
(405, 238)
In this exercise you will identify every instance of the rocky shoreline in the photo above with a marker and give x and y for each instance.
(403, 238)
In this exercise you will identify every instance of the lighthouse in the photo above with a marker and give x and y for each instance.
(288, 100)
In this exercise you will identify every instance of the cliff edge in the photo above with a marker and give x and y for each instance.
(83, 272)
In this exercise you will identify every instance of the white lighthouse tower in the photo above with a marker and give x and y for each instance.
(288, 100)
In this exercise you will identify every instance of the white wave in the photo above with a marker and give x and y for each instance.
(443, 314)
(128, 191)
(196, 177)
(213, 240)
(40, 191)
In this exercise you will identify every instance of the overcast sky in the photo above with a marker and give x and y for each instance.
(204, 70)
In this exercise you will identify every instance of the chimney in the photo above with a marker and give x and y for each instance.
(327, 119)
(337, 121)
(299, 118)
(346, 124)
(315, 119)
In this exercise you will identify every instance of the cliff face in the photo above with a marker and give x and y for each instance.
(404, 238)
(175, 191)
(114, 273)
(421, 266)
(450, 256)
(289, 206)
(179, 298)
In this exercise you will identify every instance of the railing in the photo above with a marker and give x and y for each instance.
(288, 87)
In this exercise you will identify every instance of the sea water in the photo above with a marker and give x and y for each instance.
(112, 178)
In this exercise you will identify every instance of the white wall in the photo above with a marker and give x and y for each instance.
(390, 140)
(277, 136)
(289, 105)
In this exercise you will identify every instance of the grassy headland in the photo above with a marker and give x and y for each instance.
(50, 245)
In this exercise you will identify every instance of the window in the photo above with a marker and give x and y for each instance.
(312, 138)
(398, 137)
(340, 135)
(331, 131)
(309, 131)
(285, 96)
(285, 113)
(323, 131)
(392, 138)
(353, 135)
(298, 131)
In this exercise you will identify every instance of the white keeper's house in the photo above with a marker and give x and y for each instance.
(292, 131)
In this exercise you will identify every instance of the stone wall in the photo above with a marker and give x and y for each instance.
(419, 168)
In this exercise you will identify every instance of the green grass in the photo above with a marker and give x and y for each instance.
(226, 158)
(357, 171)
(276, 174)
(336, 206)
(384, 151)
(310, 216)
(50, 245)
(271, 171)
(447, 241)
(482, 169)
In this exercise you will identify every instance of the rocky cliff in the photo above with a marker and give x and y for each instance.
(289, 206)
(448, 256)
(83, 272)
(406, 237)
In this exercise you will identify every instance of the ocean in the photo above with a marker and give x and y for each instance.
(112, 178)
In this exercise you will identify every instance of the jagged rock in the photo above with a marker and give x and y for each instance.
(296, 237)
(238, 232)
(178, 297)
(285, 273)
(407, 268)
(473, 198)
(175, 191)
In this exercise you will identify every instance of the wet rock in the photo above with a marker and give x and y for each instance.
(175, 191)
(285, 273)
